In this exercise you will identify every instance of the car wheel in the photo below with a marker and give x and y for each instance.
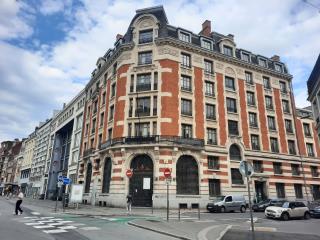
(307, 216)
(223, 210)
(285, 216)
(242, 209)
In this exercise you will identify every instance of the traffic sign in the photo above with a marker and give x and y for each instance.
(66, 181)
(246, 168)
(167, 172)
(60, 178)
(129, 173)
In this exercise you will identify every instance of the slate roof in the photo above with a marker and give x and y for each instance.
(314, 76)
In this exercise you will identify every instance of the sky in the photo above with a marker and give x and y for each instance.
(49, 48)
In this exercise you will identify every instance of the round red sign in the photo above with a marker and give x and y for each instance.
(129, 173)
(167, 173)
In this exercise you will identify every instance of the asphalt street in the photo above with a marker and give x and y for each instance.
(47, 225)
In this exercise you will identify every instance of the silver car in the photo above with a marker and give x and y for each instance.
(228, 203)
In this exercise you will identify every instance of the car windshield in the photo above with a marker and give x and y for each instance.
(264, 202)
(219, 198)
(285, 205)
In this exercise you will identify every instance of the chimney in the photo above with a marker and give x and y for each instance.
(118, 36)
(231, 36)
(206, 28)
(275, 58)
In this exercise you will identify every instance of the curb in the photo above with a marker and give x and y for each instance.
(158, 231)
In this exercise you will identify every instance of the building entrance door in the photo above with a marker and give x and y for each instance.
(141, 183)
(261, 191)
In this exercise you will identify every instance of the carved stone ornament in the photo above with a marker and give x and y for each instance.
(186, 71)
(170, 51)
(197, 59)
(125, 56)
(219, 65)
(230, 71)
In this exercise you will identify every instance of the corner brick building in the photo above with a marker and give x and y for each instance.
(165, 97)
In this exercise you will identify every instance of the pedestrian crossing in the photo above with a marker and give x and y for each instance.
(53, 225)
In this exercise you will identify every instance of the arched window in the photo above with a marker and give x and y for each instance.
(88, 178)
(187, 176)
(235, 153)
(106, 176)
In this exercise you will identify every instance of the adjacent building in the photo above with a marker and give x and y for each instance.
(64, 144)
(37, 175)
(165, 97)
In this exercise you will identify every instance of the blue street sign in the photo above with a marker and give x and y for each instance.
(66, 181)
(60, 178)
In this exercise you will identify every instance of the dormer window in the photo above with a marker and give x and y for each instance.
(227, 50)
(262, 62)
(183, 36)
(278, 67)
(245, 57)
(145, 36)
(206, 44)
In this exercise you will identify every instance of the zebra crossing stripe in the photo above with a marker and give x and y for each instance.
(56, 224)
(67, 227)
(44, 226)
(34, 223)
(46, 221)
(56, 219)
(55, 231)
(89, 228)
(46, 217)
(65, 221)
(30, 217)
(35, 213)
(78, 224)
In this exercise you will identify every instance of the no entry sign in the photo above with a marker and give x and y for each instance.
(167, 173)
(129, 173)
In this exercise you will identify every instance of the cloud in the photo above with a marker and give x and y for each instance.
(34, 82)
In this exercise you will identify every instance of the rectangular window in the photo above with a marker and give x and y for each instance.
(103, 98)
(155, 81)
(143, 82)
(283, 87)
(266, 83)
(184, 37)
(87, 129)
(93, 128)
(206, 44)
(233, 127)
(269, 104)
(231, 105)
(208, 66)
(306, 128)
(253, 119)
(129, 129)
(99, 139)
(95, 107)
(212, 136)
(185, 60)
(154, 128)
(130, 107)
(310, 149)
(289, 127)
(214, 187)
(257, 166)
(285, 106)
(186, 107)
(79, 121)
(186, 131)
(132, 83)
(249, 78)
(255, 142)
(295, 169)
(114, 69)
(262, 62)
(236, 177)
(143, 107)
(278, 67)
(77, 140)
(277, 168)
(101, 119)
(229, 82)
(142, 129)
(298, 190)
(271, 123)
(213, 162)
(145, 36)
(227, 50)
(250, 98)
(111, 112)
(110, 133)
(155, 105)
(91, 142)
(186, 83)
(280, 190)
(245, 57)
(113, 90)
(274, 145)
(210, 112)
(314, 171)
(315, 191)
(209, 88)
(292, 147)
(145, 58)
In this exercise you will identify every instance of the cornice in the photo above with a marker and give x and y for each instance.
(190, 47)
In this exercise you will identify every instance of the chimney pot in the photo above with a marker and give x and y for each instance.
(275, 58)
(118, 36)
(206, 28)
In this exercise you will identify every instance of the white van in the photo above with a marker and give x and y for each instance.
(228, 203)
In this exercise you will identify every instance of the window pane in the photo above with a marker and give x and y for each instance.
(145, 36)
(214, 187)
(186, 83)
(236, 177)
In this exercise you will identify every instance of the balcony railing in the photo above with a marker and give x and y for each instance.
(87, 152)
(151, 139)
(143, 87)
(142, 112)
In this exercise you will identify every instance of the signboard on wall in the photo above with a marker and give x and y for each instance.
(76, 193)
(146, 183)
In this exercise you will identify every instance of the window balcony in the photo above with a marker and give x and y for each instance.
(142, 112)
(143, 87)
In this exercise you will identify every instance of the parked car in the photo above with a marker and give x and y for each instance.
(288, 210)
(261, 206)
(315, 212)
(227, 203)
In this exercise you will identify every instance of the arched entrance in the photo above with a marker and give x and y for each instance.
(88, 178)
(187, 176)
(141, 183)
(106, 175)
